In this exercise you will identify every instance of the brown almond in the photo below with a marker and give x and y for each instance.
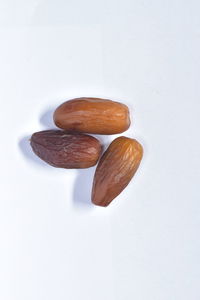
(92, 115)
(65, 150)
(116, 168)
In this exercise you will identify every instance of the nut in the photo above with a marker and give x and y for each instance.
(92, 115)
(116, 168)
(62, 149)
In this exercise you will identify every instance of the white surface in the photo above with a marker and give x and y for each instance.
(53, 243)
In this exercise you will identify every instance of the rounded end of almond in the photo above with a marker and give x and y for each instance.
(55, 119)
(101, 204)
(126, 124)
(98, 200)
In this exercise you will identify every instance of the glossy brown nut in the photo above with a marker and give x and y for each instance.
(65, 150)
(92, 115)
(116, 168)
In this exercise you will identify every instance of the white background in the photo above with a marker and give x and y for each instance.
(54, 244)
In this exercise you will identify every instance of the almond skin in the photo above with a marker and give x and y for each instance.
(62, 149)
(116, 168)
(92, 115)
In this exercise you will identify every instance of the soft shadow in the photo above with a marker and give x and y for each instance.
(46, 118)
(25, 147)
(105, 140)
(83, 188)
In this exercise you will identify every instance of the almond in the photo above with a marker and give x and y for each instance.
(65, 150)
(116, 168)
(92, 115)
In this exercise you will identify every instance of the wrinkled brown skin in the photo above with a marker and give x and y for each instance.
(116, 168)
(92, 115)
(66, 150)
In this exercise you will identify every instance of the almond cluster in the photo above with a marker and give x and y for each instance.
(71, 148)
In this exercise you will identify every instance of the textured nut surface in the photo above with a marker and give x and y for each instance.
(92, 115)
(115, 169)
(65, 150)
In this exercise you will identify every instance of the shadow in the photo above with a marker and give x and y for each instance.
(25, 147)
(105, 140)
(46, 119)
(83, 188)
